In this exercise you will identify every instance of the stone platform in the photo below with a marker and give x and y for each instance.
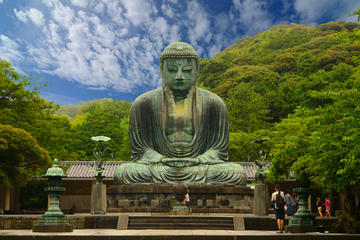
(162, 197)
(110, 221)
(113, 234)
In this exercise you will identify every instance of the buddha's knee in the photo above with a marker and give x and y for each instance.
(226, 173)
(128, 173)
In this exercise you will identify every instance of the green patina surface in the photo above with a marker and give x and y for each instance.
(53, 219)
(179, 133)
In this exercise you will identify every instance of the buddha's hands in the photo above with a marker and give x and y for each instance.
(180, 162)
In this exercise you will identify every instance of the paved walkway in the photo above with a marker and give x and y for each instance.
(95, 233)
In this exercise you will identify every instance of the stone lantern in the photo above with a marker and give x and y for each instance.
(303, 220)
(54, 219)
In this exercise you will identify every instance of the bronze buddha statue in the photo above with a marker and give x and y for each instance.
(179, 132)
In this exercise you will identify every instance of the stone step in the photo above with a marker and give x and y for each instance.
(186, 221)
(180, 222)
(181, 226)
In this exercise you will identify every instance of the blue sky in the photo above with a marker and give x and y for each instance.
(89, 49)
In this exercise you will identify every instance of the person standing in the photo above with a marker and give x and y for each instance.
(319, 206)
(278, 199)
(294, 204)
(327, 207)
(187, 200)
(288, 200)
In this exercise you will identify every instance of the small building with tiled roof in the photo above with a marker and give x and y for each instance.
(86, 169)
(81, 176)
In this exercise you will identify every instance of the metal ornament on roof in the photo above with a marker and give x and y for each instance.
(259, 160)
(55, 170)
(100, 153)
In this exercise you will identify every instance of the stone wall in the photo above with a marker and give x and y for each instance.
(87, 221)
(162, 197)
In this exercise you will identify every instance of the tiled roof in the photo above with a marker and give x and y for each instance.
(85, 169)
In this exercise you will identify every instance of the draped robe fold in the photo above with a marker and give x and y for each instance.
(207, 150)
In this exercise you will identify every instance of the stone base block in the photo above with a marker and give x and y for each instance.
(62, 227)
(98, 199)
(261, 202)
(162, 198)
(300, 228)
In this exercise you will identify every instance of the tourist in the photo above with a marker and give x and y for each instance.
(288, 200)
(327, 207)
(319, 206)
(294, 204)
(187, 200)
(278, 199)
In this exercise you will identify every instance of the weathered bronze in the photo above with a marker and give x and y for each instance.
(54, 220)
(179, 133)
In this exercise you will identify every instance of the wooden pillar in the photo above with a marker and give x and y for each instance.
(17, 199)
(7, 199)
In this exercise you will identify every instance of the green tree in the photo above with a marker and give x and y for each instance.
(322, 145)
(103, 119)
(21, 156)
(247, 109)
(22, 107)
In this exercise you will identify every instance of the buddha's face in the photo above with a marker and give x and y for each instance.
(179, 73)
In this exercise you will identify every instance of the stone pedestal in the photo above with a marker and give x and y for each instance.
(98, 198)
(161, 198)
(53, 219)
(303, 220)
(261, 203)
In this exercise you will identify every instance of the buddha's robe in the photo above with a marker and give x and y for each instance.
(155, 159)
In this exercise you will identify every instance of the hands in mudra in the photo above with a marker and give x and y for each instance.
(180, 162)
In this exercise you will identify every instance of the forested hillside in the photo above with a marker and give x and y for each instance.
(266, 77)
(300, 87)
(72, 110)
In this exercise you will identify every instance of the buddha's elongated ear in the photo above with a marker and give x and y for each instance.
(196, 64)
(163, 74)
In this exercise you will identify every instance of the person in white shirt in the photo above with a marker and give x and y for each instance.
(187, 200)
(278, 198)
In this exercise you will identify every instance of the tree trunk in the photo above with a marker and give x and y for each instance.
(350, 202)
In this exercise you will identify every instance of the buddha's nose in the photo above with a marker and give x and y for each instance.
(180, 75)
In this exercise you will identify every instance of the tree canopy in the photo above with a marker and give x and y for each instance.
(21, 156)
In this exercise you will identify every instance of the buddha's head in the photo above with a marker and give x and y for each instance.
(179, 66)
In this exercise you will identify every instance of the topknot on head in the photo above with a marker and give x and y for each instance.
(179, 50)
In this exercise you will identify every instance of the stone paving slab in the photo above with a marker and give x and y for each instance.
(112, 234)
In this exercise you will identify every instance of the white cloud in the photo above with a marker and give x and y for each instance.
(137, 11)
(1, 1)
(199, 24)
(63, 15)
(32, 14)
(252, 15)
(312, 11)
(80, 3)
(167, 10)
(115, 45)
(9, 49)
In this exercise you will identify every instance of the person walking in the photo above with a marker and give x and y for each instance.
(278, 199)
(327, 207)
(288, 200)
(319, 205)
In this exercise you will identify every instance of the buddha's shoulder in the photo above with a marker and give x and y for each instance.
(148, 97)
(210, 96)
